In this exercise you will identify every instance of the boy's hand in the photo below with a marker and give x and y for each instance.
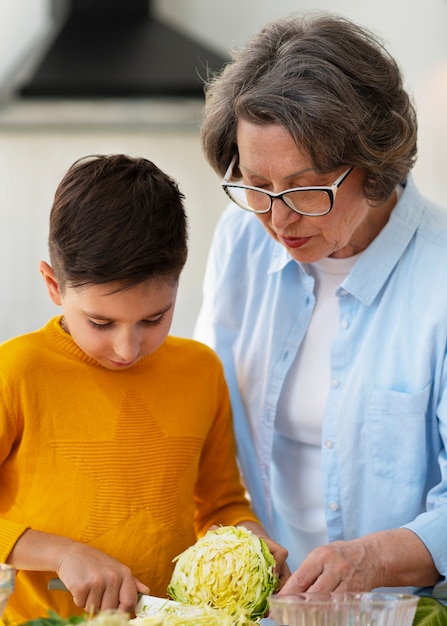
(95, 580)
(98, 581)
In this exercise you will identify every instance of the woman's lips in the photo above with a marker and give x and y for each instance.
(293, 242)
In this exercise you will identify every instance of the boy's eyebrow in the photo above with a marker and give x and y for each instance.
(103, 318)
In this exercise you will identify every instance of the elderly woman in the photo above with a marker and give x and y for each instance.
(325, 298)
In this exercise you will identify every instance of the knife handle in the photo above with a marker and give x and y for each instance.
(57, 584)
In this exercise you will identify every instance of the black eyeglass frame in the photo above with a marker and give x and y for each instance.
(331, 191)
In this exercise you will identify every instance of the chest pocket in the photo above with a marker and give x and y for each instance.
(398, 434)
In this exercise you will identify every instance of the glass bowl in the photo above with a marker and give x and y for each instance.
(7, 578)
(343, 609)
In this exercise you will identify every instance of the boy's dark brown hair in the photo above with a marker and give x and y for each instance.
(117, 219)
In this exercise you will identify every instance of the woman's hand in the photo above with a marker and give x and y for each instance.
(338, 566)
(391, 558)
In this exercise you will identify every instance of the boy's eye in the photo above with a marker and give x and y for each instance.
(102, 326)
(153, 322)
(106, 325)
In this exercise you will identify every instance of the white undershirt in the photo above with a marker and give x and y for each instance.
(297, 490)
(296, 462)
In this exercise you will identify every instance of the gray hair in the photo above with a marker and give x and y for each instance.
(332, 85)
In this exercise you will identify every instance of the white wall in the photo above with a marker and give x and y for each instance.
(22, 24)
(33, 157)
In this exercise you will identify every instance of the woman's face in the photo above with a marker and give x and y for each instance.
(270, 159)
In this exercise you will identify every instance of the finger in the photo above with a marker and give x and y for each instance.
(110, 596)
(328, 581)
(141, 587)
(301, 580)
(89, 599)
(128, 595)
(283, 575)
(80, 596)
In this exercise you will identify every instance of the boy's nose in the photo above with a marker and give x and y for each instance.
(127, 346)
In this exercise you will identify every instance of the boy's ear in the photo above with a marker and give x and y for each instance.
(51, 282)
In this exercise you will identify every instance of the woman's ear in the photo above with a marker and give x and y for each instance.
(51, 282)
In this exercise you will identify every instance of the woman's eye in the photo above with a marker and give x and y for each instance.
(259, 185)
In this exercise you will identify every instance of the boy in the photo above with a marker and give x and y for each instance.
(116, 444)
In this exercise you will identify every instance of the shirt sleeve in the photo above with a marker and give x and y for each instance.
(220, 496)
(430, 526)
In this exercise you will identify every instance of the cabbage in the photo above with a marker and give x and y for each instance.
(430, 612)
(196, 616)
(229, 568)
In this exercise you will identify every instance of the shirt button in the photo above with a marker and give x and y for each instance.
(334, 506)
(335, 383)
(344, 324)
(329, 444)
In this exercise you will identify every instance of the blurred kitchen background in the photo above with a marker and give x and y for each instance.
(78, 78)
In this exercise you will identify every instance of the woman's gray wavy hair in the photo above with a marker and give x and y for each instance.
(328, 82)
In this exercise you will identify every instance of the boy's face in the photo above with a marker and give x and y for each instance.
(116, 329)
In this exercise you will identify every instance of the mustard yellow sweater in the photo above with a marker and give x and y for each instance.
(137, 463)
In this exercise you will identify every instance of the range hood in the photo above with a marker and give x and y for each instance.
(115, 49)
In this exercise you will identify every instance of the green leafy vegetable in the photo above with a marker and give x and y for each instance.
(430, 612)
(229, 568)
(103, 618)
(54, 619)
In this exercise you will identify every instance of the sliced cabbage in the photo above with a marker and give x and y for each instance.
(180, 616)
(229, 568)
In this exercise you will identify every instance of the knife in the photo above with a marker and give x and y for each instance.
(56, 583)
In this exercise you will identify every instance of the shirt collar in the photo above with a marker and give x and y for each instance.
(380, 257)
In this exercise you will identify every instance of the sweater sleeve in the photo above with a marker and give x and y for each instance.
(9, 531)
(220, 496)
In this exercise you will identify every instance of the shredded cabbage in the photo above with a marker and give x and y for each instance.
(229, 568)
(181, 616)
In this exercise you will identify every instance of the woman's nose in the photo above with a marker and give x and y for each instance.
(282, 215)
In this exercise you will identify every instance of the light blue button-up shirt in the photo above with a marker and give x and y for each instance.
(385, 426)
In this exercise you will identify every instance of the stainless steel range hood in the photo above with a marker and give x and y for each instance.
(117, 48)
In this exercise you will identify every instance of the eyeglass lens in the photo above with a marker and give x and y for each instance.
(306, 201)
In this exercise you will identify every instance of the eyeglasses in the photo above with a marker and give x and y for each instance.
(312, 201)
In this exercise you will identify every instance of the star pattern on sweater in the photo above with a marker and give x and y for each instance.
(147, 466)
